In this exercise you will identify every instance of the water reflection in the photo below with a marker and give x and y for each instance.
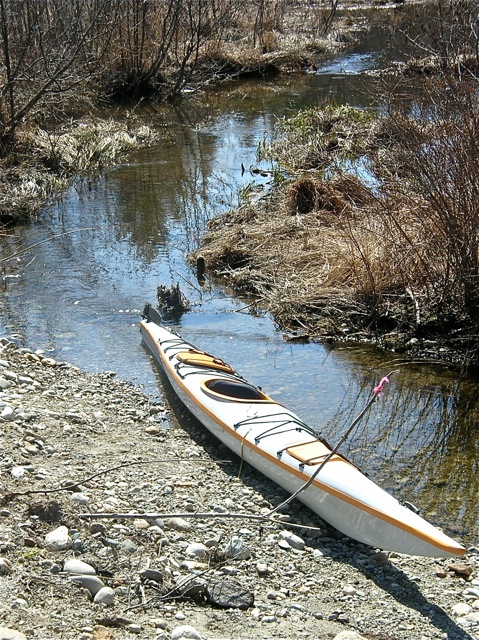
(425, 428)
(350, 64)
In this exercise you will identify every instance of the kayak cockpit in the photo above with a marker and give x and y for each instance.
(235, 390)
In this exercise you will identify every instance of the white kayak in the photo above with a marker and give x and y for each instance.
(280, 445)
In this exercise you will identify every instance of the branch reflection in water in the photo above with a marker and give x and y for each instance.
(427, 434)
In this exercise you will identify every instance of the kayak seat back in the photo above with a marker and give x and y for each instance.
(311, 453)
(236, 391)
(201, 359)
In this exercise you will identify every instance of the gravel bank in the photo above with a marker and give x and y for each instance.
(64, 576)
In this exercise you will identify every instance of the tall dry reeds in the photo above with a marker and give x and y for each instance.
(433, 175)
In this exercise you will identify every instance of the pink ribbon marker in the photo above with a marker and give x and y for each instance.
(379, 388)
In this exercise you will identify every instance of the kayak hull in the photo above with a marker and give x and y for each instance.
(277, 443)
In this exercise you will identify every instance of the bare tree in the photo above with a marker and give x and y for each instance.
(49, 49)
(159, 38)
(327, 17)
(201, 27)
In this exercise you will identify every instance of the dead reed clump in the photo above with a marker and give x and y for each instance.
(224, 250)
(353, 276)
(351, 189)
(310, 194)
(300, 270)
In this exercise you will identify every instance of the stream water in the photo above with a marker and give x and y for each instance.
(97, 256)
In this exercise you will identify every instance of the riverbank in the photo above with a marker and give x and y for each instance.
(44, 163)
(117, 451)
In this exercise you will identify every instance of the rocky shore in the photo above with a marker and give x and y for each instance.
(74, 443)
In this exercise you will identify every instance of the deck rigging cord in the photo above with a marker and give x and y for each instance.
(376, 394)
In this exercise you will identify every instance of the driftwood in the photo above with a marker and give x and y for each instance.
(171, 300)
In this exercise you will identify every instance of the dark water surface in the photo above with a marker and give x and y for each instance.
(100, 254)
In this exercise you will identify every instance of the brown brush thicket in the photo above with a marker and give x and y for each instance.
(57, 55)
(443, 37)
(434, 175)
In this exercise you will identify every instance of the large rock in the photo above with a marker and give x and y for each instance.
(106, 595)
(178, 524)
(237, 550)
(185, 631)
(192, 586)
(227, 594)
(6, 567)
(196, 550)
(78, 568)
(92, 583)
(294, 541)
(58, 539)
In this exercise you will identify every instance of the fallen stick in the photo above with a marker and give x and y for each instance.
(71, 485)
(213, 514)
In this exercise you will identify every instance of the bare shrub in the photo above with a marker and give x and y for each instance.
(438, 160)
(446, 35)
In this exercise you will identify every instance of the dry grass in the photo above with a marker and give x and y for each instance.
(331, 272)
(304, 268)
(45, 162)
(89, 145)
